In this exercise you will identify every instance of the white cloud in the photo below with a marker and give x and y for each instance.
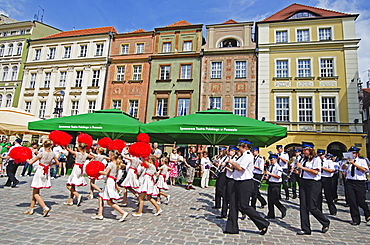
(11, 7)
(362, 26)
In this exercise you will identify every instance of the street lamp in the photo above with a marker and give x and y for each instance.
(59, 103)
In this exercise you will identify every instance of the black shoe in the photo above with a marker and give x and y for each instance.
(221, 217)
(354, 223)
(303, 233)
(243, 217)
(268, 217)
(346, 205)
(7, 185)
(15, 183)
(263, 231)
(216, 207)
(294, 196)
(287, 199)
(283, 214)
(262, 206)
(334, 213)
(324, 229)
(228, 232)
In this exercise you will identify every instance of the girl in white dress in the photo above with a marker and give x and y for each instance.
(131, 181)
(109, 192)
(41, 178)
(76, 178)
(97, 157)
(148, 188)
(162, 177)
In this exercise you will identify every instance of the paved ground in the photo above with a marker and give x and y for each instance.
(188, 219)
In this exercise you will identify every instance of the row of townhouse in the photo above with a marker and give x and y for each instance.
(301, 73)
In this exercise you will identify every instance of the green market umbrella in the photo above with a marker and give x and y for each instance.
(214, 127)
(112, 123)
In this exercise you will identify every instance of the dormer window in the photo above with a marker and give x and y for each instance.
(230, 42)
(303, 14)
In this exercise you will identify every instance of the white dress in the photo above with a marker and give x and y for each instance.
(109, 191)
(41, 179)
(161, 183)
(76, 178)
(131, 180)
(148, 186)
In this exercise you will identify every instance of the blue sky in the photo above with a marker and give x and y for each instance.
(129, 15)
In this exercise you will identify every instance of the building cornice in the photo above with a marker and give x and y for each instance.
(352, 16)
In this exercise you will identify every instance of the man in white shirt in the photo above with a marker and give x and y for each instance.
(284, 164)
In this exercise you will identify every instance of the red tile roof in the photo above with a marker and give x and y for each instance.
(294, 8)
(99, 30)
(137, 31)
(366, 90)
(230, 21)
(180, 23)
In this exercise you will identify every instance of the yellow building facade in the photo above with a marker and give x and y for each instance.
(307, 78)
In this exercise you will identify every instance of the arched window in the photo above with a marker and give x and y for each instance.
(229, 42)
(8, 100)
(19, 49)
(2, 50)
(14, 73)
(5, 73)
(10, 49)
(303, 14)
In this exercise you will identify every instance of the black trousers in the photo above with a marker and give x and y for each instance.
(257, 195)
(220, 186)
(327, 186)
(11, 170)
(356, 193)
(334, 190)
(309, 191)
(273, 194)
(227, 194)
(243, 191)
(285, 182)
(294, 178)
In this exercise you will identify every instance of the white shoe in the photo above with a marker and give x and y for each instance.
(158, 213)
(46, 211)
(168, 198)
(124, 204)
(137, 215)
(90, 197)
(97, 217)
(124, 216)
(68, 203)
(158, 202)
(29, 212)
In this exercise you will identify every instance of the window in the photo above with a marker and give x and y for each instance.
(303, 35)
(14, 73)
(74, 108)
(165, 72)
(240, 69)
(83, 50)
(282, 68)
(281, 36)
(92, 105)
(302, 14)
(328, 109)
(188, 45)
(67, 52)
(215, 103)
(42, 109)
(230, 42)
(62, 79)
(137, 73)
(47, 80)
(33, 80)
(162, 107)
(326, 68)
(2, 50)
(19, 49)
(51, 53)
(27, 106)
(79, 76)
(95, 79)
(134, 107)
(185, 72)
(282, 109)
(216, 69)
(23, 32)
(304, 68)
(140, 48)
(99, 49)
(10, 49)
(120, 73)
(240, 106)
(5, 73)
(305, 109)
(8, 102)
(1, 100)
(5, 34)
(37, 54)
(166, 47)
(183, 107)
(124, 49)
(116, 104)
(324, 34)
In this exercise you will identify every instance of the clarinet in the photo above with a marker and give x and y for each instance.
(292, 171)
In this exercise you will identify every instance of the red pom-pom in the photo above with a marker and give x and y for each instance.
(60, 138)
(143, 137)
(104, 142)
(140, 149)
(85, 138)
(93, 168)
(20, 154)
(116, 145)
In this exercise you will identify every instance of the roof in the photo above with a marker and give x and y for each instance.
(180, 23)
(91, 31)
(230, 21)
(137, 31)
(295, 7)
(366, 90)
